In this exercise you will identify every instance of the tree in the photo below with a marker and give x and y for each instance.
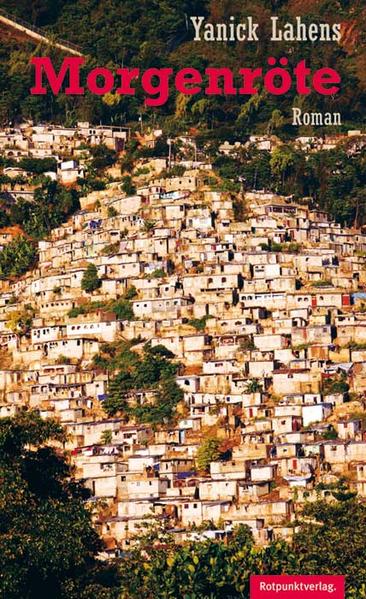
(276, 122)
(208, 452)
(332, 540)
(20, 321)
(106, 437)
(130, 293)
(254, 386)
(123, 309)
(90, 281)
(158, 567)
(127, 185)
(282, 162)
(154, 371)
(48, 546)
(159, 350)
(52, 204)
(38, 165)
(102, 157)
(111, 212)
(17, 257)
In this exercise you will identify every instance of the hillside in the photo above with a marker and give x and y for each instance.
(159, 33)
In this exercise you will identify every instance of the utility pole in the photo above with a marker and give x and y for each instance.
(169, 142)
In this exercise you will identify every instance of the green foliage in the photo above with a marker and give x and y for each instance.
(169, 395)
(111, 248)
(38, 165)
(160, 350)
(247, 343)
(330, 540)
(334, 178)
(153, 370)
(106, 437)
(208, 452)
(149, 225)
(20, 321)
(177, 170)
(354, 346)
(201, 569)
(199, 323)
(143, 170)
(127, 185)
(159, 273)
(17, 257)
(330, 434)
(63, 359)
(272, 246)
(323, 283)
(47, 543)
(90, 281)
(254, 386)
(239, 209)
(52, 204)
(102, 157)
(146, 34)
(130, 293)
(111, 212)
(91, 183)
(335, 385)
(292, 247)
(75, 312)
(123, 309)
(284, 162)
(116, 356)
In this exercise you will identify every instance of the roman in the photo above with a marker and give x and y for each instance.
(224, 32)
(315, 119)
(301, 32)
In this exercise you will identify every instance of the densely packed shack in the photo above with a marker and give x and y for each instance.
(204, 349)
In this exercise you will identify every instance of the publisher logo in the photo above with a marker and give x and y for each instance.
(296, 587)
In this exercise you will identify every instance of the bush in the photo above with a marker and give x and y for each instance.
(111, 211)
(199, 323)
(208, 452)
(111, 248)
(159, 273)
(130, 293)
(153, 371)
(90, 281)
(38, 165)
(17, 257)
(74, 312)
(127, 186)
(102, 157)
(123, 310)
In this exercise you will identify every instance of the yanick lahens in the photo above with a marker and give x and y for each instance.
(247, 30)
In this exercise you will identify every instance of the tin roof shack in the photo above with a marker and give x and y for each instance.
(349, 429)
(101, 473)
(222, 490)
(288, 380)
(335, 455)
(316, 413)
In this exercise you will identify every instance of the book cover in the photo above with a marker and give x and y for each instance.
(182, 299)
